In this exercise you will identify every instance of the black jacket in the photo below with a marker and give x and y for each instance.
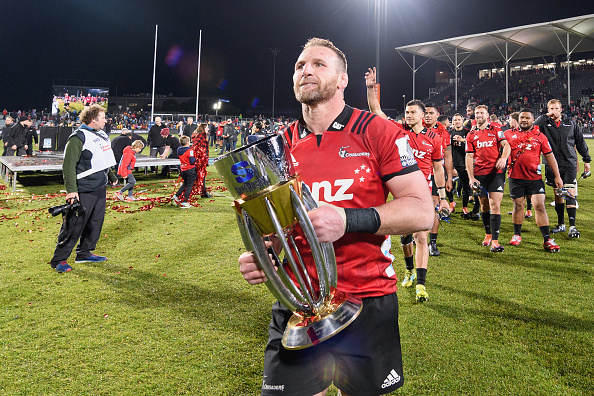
(18, 135)
(154, 136)
(564, 140)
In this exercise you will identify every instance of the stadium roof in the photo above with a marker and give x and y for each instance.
(547, 39)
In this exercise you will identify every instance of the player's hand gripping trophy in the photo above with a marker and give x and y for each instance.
(272, 203)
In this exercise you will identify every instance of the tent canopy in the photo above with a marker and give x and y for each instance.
(547, 39)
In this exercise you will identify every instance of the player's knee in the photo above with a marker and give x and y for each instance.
(406, 240)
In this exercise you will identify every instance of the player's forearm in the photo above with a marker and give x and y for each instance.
(397, 217)
(373, 103)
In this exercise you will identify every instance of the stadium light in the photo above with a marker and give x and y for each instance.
(217, 107)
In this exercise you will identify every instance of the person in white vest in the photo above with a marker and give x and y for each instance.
(88, 159)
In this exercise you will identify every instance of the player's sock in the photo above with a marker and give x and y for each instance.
(544, 230)
(485, 216)
(571, 213)
(495, 225)
(432, 237)
(409, 262)
(560, 209)
(517, 229)
(421, 275)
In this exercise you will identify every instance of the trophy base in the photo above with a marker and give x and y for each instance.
(305, 331)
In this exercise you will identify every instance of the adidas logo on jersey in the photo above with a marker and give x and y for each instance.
(392, 379)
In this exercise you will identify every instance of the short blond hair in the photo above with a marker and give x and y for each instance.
(553, 101)
(319, 42)
(138, 144)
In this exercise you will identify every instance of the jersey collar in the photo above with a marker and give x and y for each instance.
(338, 124)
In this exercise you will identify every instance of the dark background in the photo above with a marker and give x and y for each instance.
(112, 41)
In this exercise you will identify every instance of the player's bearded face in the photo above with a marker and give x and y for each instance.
(311, 90)
(316, 76)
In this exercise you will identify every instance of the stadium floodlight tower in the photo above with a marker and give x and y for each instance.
(217, 107)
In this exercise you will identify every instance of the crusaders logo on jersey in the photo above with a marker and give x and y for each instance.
(343, 153)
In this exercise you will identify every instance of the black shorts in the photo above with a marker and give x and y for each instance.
(363, 359)
(493, 182)
(519, 188)
(568, 175)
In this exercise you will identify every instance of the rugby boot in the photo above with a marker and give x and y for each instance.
(516, 239)
(433, 250)
(573, 232)
(559, 228)
(487, 240)
(528, 214)
(409, 277)
(551, 246)
(422, 294)
(496, 247)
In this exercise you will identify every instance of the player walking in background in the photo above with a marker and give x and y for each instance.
(525, 178)
(486, 155)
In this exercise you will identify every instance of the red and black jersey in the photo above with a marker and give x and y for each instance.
(443, 134)
(348, 166)
(427, 147)
(485, 144)
(526, 147)
(186, 158)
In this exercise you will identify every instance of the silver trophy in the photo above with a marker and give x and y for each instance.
(271, 201)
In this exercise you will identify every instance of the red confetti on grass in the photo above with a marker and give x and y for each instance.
(105, 315)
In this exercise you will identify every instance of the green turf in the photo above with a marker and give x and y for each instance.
(170, 314)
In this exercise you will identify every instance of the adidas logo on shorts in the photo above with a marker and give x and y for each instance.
(392, 379)
(499, 188)
(541, 190)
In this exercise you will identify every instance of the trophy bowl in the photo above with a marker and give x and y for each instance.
(271, 203)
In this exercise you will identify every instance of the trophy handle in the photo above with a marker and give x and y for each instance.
(327, 248)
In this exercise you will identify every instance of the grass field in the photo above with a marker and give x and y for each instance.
(169, 313)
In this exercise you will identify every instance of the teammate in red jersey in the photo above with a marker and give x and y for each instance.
(525, 178)
(486, 155)
(428, 150)
(351, 159)
(431, 115)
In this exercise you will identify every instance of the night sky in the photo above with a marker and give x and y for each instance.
(112, 41)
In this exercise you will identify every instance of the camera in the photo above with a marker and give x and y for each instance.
(59, 209)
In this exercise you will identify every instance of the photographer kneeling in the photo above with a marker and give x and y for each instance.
(87, 161)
